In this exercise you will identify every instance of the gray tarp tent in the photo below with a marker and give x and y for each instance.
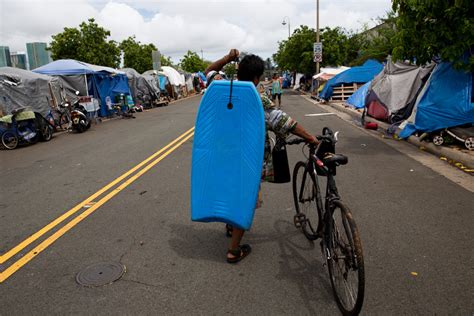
(140, 85)
(21, 88)
(397, 86)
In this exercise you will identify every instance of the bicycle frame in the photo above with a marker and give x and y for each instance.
(315, 167)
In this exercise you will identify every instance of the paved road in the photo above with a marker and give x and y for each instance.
(411, 219)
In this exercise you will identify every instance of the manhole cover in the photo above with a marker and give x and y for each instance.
(100, 274)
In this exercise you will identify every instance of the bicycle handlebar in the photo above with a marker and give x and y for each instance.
(297, 141)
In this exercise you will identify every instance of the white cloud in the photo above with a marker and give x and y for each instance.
(175, 26)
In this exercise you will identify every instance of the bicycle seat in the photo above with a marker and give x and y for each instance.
(336, 159)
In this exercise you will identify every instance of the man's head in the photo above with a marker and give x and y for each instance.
(211, 76)
(251, 69)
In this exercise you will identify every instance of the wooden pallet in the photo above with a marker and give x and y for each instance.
(343, 92)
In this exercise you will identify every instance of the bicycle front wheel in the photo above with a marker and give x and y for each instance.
(305, 197)
(345, 260)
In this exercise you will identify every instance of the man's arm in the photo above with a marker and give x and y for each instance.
(220, 63)
(301, 132)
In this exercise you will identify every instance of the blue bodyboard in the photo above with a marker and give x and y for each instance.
(228, 153)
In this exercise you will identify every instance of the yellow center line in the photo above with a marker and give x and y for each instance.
(25, 243)
(47, 242)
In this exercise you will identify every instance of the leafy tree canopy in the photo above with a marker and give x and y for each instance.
(137, 55)
(191, 62)
(443, 28)
(166, 61)
(87, 43)
(296, 53)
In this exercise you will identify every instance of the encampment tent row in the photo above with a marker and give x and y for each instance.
(98, 81)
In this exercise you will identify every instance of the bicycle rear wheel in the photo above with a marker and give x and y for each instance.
(305, 196)
(345, 260)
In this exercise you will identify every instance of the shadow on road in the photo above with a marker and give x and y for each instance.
(299, 260)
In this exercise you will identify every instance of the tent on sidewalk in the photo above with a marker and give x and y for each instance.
(396, 89)
(360, 74)
(141, 88)
(21, 88)
(98, 81)
(445, 101)
(357, 99)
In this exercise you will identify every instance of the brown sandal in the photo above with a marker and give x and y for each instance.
(239, 253)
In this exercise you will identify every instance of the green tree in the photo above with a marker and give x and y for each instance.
(136, 55)
(191, 62)
(296, 53)
(375, 43)
(229, 70)
(435, 28)
(166, 61)
(88, 43)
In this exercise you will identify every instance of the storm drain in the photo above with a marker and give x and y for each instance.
(100, 274)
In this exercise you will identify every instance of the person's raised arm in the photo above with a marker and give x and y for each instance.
(220, 63)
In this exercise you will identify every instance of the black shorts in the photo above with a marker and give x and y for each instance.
(274, 96)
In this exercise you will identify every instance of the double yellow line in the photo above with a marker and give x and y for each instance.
(89, 204)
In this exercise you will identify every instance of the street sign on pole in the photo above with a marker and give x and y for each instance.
(317, 48)
(318, 52)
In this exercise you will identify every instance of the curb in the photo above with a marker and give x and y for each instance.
(459, 159)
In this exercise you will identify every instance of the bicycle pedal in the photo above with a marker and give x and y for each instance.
(299, 220)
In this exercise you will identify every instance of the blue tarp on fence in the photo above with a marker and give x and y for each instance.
(357, 99)
(446, 101)
(359, 74)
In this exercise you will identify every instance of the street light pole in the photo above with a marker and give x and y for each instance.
(317, 32)
(284, 23)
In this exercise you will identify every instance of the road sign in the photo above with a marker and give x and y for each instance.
(318, 52)
(317, 48)
(318, 58)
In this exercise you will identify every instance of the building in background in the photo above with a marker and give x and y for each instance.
(37, 55)
(18, 60)
(5, 60)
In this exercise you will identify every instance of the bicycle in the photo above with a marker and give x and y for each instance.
(340, 239)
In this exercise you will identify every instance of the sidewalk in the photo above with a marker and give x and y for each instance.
(460, 158)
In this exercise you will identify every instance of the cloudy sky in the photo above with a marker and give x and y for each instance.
(175, 26)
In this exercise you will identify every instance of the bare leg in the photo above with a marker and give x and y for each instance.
(237, 235)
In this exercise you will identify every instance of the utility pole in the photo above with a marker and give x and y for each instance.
(284, 23)
(317, 32)
(202, 55)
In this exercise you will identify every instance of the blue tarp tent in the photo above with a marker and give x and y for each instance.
(99, 81)
(65, 67)
(357, 99)
(359, 74)
(202, 76)
(445, 102)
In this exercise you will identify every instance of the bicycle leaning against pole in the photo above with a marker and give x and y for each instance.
(332, 221)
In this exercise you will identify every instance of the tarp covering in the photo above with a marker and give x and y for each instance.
(101, 81)
(327, 73)
(175, 78)
(398, 84)
(21, 88)
(446, 101)
(140, 86)
(73, 67)
(65, 67)
(111, 86)
(359, 74)
(357, 99)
